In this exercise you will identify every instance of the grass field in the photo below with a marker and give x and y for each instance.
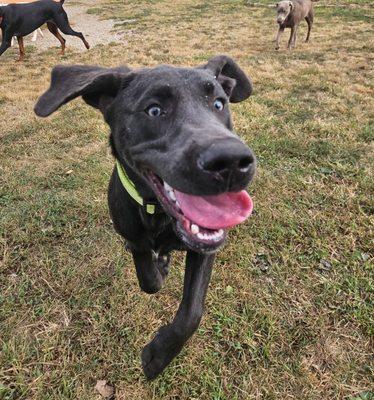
(290, 309)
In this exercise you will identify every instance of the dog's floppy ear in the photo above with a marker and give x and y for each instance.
(234, 81)
(98, 87)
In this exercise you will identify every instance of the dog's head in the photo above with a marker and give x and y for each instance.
(172, 127)
(284, 9)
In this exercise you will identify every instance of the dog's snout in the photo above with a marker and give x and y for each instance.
(227, 158)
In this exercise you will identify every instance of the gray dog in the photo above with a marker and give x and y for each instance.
(289, 15)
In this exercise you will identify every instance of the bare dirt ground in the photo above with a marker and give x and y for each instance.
(97, 31)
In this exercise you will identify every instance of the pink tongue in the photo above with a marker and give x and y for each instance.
(216, 212)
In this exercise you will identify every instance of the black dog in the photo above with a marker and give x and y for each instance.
(22, 19)
(180, 173)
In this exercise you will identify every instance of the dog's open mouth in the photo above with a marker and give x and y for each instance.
(202, 221)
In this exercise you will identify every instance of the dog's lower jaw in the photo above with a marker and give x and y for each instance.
(196, 246)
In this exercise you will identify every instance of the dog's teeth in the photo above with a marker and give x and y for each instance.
(194, 229)
(177, 204)
(218, 235)
(215, 236)
(172, 195)
(170, 191)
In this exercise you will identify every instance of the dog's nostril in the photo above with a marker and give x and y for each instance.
(216, 165)
(245, 162)
(221, 164)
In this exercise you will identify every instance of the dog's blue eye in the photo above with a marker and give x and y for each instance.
(218, 104)
(154, 111)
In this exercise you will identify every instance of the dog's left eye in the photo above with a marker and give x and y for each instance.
(218, 104)
(154, 111)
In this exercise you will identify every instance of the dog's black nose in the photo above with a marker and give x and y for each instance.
(228, 158)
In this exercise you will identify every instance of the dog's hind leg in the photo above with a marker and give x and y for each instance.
(52, 27)
(170, 339)
(62, 22)
(21, 48)
(309, 20)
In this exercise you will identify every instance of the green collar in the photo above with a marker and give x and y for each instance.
(129, 185)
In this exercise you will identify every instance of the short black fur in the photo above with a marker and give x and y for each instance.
(179, 146)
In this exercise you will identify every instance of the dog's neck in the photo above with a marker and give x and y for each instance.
(136, 188)
(141, 186)
(130, 187)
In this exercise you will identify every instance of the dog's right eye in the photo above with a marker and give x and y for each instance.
(154, 111)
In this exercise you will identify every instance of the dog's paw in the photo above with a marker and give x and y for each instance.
(153, 363)
(151, 287)
(158, 354)
(163, 263)
(276, 47)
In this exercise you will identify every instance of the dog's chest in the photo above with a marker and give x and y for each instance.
(160, 233)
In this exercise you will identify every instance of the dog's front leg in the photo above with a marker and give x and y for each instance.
(289, 46)
(294, 37)
(170, 339)
(277, 40)
(292, 40)
(6, 42)
(151, 269)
